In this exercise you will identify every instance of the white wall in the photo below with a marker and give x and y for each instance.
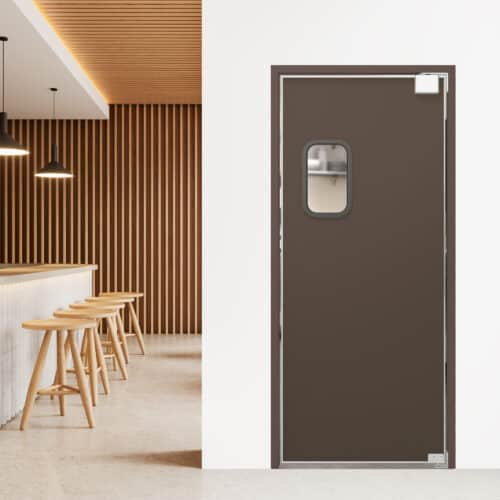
(240, 42)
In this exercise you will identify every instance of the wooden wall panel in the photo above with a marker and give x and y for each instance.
(133, 207)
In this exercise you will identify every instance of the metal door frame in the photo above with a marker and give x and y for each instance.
(445, 75)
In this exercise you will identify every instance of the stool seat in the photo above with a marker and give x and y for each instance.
(58, 324)
(111, 300)
(135, 295)
(85, 313)
(96, 305)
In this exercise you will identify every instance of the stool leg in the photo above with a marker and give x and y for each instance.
(56, 376)
(110, 349)
(84, 350)
(137, 327)
(80, 376)
(61, 369)
(101, 362)
(117, 348)
(92, 364)
(35, 379)
(121, 333)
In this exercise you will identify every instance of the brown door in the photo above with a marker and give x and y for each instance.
(363, 298)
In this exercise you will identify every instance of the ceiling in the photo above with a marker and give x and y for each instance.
(135, 51)
(35, 60)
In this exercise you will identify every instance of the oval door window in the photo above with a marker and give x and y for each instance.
(327, 182)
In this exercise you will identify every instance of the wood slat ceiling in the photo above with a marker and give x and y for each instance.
(135, 51)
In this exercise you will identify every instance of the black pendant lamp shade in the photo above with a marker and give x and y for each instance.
(8, 145)
(54, 169)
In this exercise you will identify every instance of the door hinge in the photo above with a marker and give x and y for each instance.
(437, 458)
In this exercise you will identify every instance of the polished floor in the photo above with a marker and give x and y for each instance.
(147, 446)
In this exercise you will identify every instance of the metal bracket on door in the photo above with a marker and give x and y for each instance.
(427, 83)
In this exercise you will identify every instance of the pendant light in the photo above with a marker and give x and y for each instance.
(8, 145)
(54, 169)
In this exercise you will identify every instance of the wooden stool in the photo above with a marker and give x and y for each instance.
(109, 354)
(93, 356)
(115, 301)
(60, 389)
(110, 322)
(133, 316)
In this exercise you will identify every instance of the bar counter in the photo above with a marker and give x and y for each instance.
(32, 291)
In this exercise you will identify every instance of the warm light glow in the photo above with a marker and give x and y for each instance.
(42, 13)
(13, 152)
(54, 175)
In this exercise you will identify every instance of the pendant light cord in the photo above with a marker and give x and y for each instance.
(53, 90)
(54, 148)
(3, 76)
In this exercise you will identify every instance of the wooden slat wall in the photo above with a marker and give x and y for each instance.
(133, 207)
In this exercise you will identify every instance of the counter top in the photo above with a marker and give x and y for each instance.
(15, 273)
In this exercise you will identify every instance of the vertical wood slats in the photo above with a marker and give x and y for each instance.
(133, 207)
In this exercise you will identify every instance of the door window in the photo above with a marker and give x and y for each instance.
(327, 179)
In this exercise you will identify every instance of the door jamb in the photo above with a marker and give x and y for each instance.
(277, 75)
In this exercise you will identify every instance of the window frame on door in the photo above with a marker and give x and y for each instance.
(305, 190)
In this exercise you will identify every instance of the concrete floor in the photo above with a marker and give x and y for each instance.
(147, 446)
